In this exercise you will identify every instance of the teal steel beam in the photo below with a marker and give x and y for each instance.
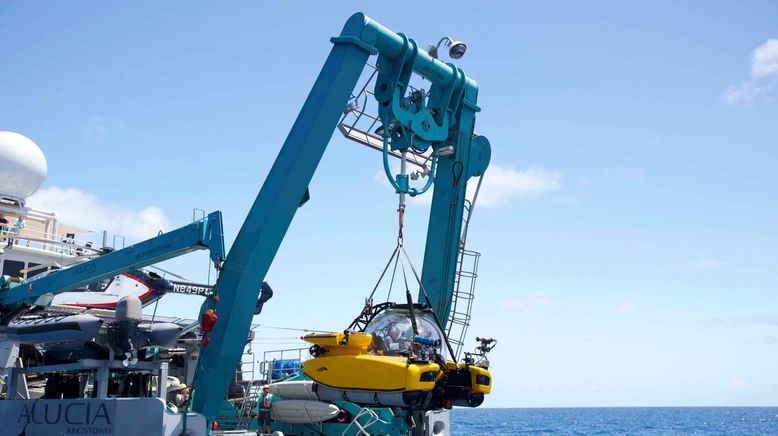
(392, 45)
(444, 229)
(269, 218)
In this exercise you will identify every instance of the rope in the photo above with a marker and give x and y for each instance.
(409, 299)
(209, 273)
(401, 219)
(427, 298)
(391, 283)
(278, 343)
(297, 329)
(154, 315)
(470, 211)
(396, 252)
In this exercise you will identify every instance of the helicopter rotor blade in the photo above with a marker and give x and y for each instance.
(169, 272)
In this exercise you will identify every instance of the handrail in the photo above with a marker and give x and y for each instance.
(59, 243)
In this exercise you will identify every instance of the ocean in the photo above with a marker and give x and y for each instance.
(617, 421)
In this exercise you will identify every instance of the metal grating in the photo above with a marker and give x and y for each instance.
(359, 125)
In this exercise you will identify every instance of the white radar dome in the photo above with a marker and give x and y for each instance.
(22, 166)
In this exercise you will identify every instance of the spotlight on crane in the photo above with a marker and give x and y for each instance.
(456, 49)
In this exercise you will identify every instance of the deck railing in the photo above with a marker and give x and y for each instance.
(67, 244)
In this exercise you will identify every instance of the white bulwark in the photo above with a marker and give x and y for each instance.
(110, 416)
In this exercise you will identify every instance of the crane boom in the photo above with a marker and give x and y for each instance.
(199, 235)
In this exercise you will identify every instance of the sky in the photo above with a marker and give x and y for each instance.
(628, 221)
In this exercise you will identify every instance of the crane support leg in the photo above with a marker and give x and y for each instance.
(269, 218)
(445, 224)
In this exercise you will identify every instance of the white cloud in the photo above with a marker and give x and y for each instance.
(97, 126)
(762, 340)
(764, 77)
(504, 184)
(748, 320)
(627, 307)
(709, 264)
(747, 94)
(625, 173)
(737, 383)
(535, 299)
(82, 209)
(764, 59)
(534, 387)
(94, 129)
(501, 185)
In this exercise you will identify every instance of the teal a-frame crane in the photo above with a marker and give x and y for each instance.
(442, 119)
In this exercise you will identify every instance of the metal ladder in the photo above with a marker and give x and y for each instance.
(361, 428)
(464, 289)
(253, 389)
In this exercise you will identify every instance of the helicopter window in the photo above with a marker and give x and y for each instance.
(13, 268)
(100, 286)
(36, 272)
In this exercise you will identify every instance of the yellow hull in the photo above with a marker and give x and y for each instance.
(367, 372)
(345, 368)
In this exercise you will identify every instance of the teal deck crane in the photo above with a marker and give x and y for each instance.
(442, 119)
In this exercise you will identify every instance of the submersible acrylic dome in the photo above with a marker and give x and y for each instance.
(400, 319)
